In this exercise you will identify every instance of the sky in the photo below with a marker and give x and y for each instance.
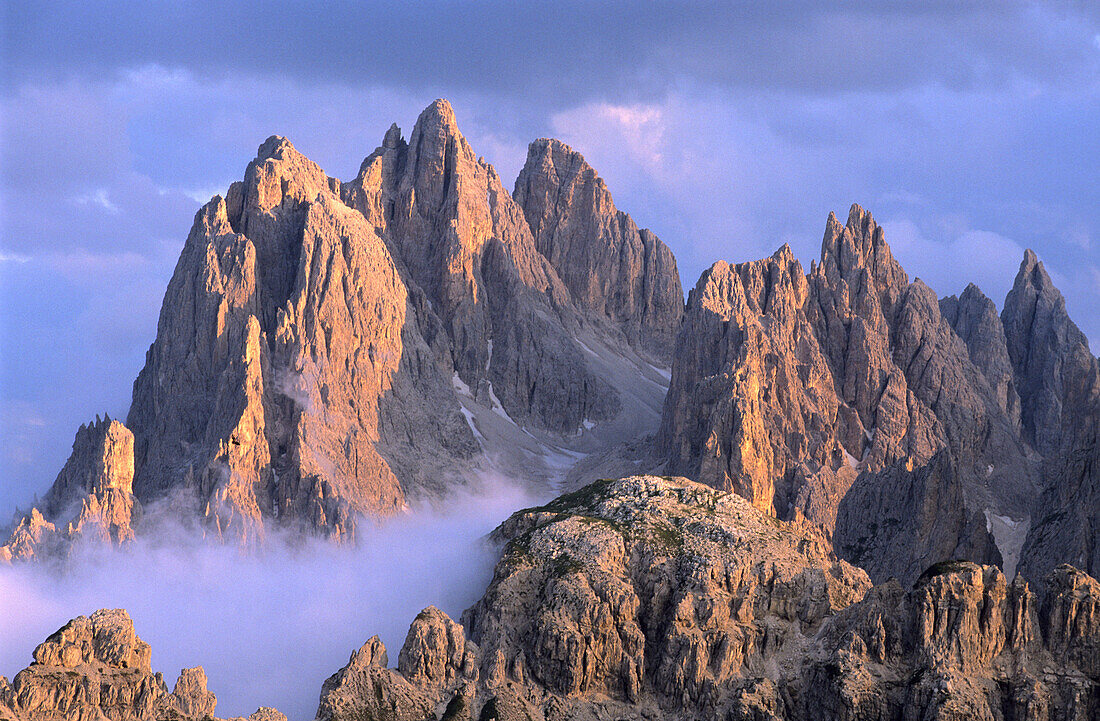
(969, 129)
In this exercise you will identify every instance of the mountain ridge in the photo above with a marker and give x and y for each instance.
(329, 349)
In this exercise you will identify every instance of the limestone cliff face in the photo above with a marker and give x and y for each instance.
(1059, 382)
(975, 320)
(789, 388)
(96, 668)
(752, 407)
(280, 329)
(962, 643)
(611, 267)
(463, 240)
(327, 349)
(91, 498)
(661, 598)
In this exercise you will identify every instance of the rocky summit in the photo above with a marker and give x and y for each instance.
(883, 505)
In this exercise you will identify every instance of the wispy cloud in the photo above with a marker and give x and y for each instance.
(291, 614)
(100, 197)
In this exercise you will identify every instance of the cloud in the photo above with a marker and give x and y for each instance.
(101, 198)
(949, 264)
(270, 627)
(544, 54)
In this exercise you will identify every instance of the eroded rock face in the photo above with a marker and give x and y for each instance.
(662, 598)
(787, 387)
(91, 498)
(644, 593)
(96, 668)
(962, 643)
(648, 586)
(328, 349)
(974, 318)
(366, 689)
(1059, 382)
(610, 266)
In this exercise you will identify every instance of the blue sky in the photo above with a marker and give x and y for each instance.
(970, 130)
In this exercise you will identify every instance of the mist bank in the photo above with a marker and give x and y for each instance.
(268, 625)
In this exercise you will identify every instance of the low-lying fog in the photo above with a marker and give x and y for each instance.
(269, 626)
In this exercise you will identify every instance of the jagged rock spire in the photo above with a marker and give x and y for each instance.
(611, 267)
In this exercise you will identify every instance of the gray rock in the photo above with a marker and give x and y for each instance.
(610, 267)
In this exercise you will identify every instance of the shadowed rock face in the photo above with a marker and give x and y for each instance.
(611, 268)
(661, 598)
(95, 668)
(789, 388)
(974, 318)
(1059, 382)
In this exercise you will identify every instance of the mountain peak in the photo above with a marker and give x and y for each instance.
(860, 219)
(1033, 273)
(274, 147)
(860, 245)
(439, 115)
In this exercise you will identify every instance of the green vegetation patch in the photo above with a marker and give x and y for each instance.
(585, 497)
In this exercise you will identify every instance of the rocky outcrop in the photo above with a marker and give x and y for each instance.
(962, 643)
(367, 689)
(92, 497)
(651, 587)
(643, 593)
(661, 598)
(96, 668)
(611, 267)
(787, 387)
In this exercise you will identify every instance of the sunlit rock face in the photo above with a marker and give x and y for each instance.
(329, 350)
(95, 668)
(92, 497)
(808, 393)
(613, 269)
(652, 597)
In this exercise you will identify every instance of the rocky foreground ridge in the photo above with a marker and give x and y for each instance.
(652, 597)
(96, 668)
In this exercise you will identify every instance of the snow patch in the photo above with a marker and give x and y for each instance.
(468, 414)
(665, 373)
(583, 345)
(1009, 534)
(460, 386)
